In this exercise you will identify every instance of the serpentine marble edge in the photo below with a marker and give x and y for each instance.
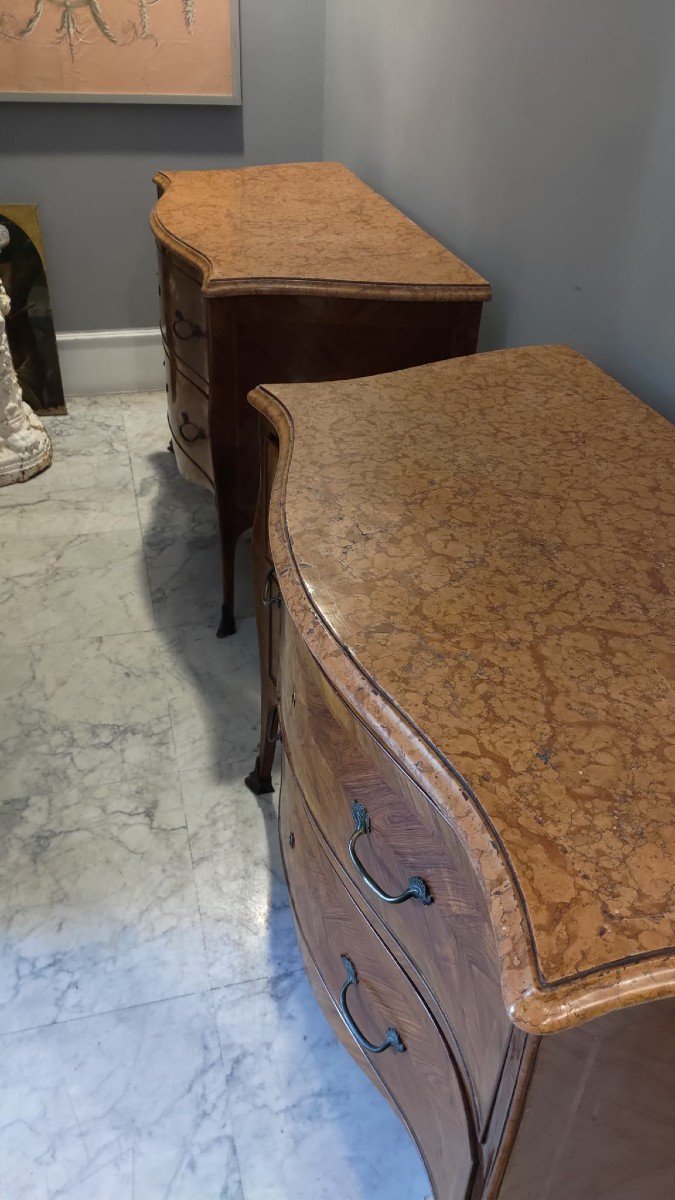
(303, 228)
(479, 554)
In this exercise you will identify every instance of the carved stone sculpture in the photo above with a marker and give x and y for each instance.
(25, 445)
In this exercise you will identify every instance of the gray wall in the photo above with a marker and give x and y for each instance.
(534, 137)
(90, 167)
(537, 139)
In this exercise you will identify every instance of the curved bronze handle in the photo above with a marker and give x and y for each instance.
(392, 1039)
(416, 888)
(267, 598)
(194, 330)
(186, 421)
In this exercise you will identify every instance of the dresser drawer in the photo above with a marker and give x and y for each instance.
(183, 316)
(189, 425)
(379, 1004)
(347, 778)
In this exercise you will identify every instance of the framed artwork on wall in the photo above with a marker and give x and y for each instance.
(133, 51)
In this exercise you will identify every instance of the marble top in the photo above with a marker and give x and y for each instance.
(303, 228)
(490, 541)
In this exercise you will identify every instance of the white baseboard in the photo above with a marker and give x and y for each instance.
(111, 360)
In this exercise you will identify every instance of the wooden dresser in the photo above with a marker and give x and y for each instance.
(292, 272)
(473, 652)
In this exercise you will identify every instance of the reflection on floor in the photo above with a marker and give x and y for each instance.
(157, 1036)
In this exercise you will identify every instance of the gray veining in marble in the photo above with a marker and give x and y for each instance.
(96, 497)
(93, 428)
(88, 711)
(158, 1038)
(99, 907)
(105, 571)
(214, 695)
(145, 422)
(184, 574)
(180, 527)
(130, 1105)
(326, 1131)
(238, 870)
(166, 500)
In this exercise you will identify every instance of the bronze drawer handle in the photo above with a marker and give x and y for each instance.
(267, 598)
(194, 330)
(416, 888)
(392, 1039)
(181, 429)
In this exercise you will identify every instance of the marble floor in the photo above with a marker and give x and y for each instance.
(157, 1036)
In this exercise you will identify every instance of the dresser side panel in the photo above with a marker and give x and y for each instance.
(598, 1122)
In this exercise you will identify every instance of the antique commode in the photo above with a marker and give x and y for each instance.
(290, 272)
(473, 631)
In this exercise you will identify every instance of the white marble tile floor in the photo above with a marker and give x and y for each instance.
(158, 1038)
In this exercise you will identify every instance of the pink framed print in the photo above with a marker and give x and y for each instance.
(138, 51)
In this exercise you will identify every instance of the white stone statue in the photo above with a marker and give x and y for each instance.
(25, 445)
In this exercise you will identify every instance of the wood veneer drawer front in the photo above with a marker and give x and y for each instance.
(189, 425)
(184, 318)
(381, 1002)
(450, 941)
